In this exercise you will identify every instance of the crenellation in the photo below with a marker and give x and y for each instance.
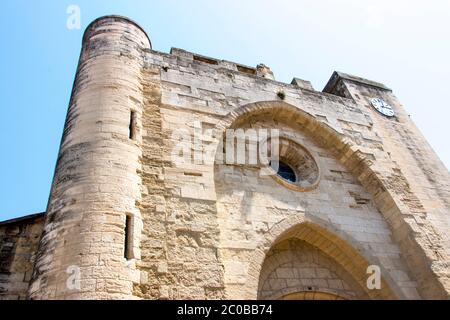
(202, 228)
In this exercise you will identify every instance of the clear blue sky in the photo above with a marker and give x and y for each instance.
(404, 44)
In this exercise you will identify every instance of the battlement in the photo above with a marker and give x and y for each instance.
(337, 78)
(104, 24)
(142, 204)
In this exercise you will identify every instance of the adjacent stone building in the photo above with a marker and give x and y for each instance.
(146, 203)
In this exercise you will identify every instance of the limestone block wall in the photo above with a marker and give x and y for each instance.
(424, 184)
(199, 89)
(293, 266)
(188, 210)
(134, 222)
(250, 205)
(427, 176)
(96, 184)
(19, 239)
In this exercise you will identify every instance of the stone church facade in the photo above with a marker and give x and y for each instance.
(362, 194)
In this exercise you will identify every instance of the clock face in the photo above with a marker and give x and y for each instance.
(382, 107)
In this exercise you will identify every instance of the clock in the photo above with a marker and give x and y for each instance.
(382, 107)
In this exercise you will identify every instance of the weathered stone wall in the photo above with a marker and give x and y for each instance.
(96, 183)
(427, 176)
(202, 229)
(294, 266)
(419, 178)
(19, 239)
(250, 205)
(209, 91)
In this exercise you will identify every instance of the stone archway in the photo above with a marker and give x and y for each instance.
(386, 184)
(298, 245)
(294, 266)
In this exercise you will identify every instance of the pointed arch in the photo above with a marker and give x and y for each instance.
(380, 180)
(334, 243)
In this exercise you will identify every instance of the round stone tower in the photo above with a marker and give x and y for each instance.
(90, 242)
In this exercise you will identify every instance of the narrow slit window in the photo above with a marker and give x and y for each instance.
(127, 240)
(132, 129)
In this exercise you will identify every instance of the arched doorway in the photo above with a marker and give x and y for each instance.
(296, 270)
(249, 206)
(309, 262)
